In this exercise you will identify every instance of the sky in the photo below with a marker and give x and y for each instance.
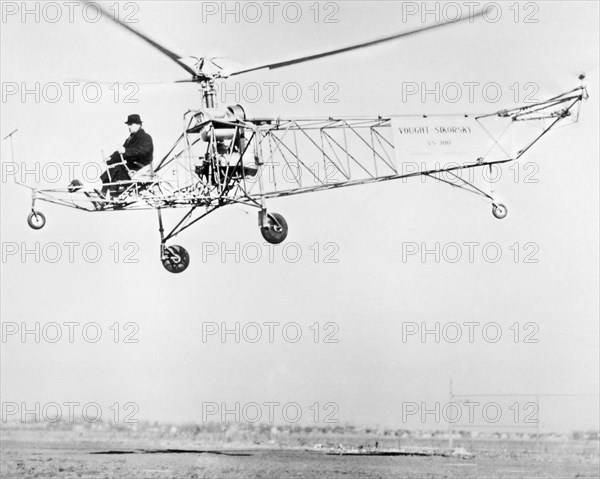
(346, 271)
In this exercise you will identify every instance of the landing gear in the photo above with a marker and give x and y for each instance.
(36, 220)
(273, 227)
(175, 258)
(499, 210)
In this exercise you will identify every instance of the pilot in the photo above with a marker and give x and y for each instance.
(136, 152)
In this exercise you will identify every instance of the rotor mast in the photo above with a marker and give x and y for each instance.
(208, 94)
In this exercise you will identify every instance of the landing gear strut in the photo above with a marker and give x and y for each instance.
(174, 258)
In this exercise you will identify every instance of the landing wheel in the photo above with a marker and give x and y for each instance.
(36, 220)
(175, 259)
(275, 229)
(499, 211)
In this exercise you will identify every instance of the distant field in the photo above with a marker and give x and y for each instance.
(86, 452)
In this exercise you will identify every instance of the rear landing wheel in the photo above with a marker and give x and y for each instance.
(36, 220)
(499, 211)
(175, 259)
(275, 229)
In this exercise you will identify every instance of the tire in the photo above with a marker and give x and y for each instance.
(276, 230)
(499, 211)
(175, 259)
(36, 220)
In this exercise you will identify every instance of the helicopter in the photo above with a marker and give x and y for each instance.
(222, 157)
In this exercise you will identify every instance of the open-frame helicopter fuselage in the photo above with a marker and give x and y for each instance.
(224, 158)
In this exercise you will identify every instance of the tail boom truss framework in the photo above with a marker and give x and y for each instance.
(294, 156)
(218, 163)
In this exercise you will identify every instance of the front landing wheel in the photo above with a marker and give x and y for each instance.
(36, 220)
(276, 229)
(499, 211)
(175, 259)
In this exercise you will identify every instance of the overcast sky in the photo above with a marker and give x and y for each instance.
(361, 281)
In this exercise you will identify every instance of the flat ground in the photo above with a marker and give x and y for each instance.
(93, 455)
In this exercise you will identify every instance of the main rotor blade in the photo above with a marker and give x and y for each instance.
(294, 61)
(129, 82)
(173, 56)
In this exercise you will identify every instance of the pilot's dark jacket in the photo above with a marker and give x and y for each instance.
(138, 153)
(138, 150)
